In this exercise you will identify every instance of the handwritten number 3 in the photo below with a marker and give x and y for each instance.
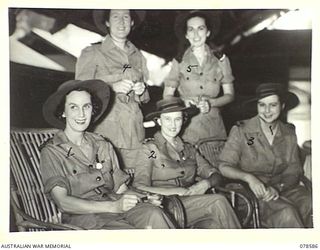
(250, 141)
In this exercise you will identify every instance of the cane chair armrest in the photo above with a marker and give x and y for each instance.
(173, 207)
(30, 222)
(233, 197)
(306, 182)
(235, 190)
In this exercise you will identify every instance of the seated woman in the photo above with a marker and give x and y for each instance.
(80, 170)
(263, 152)
(169, 166)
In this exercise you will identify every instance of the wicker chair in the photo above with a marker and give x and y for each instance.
(241, 198)
(31, 209)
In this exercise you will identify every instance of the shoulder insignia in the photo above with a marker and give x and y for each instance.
(290, 126)
(46, 142)
(96, 43)
(148, 140)
(240, 123)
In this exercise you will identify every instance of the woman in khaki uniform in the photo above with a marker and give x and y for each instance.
(168, 166)
(199, 74)
(120, 65)
(80, 170)
(263, 152)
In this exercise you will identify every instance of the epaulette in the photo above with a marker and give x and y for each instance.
(96, 43)
(148, 140)
(45, 142)
(104, 138)
(290, 126)
(240, 123)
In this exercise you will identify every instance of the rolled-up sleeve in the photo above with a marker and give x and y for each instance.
(231, 153)
(51, 172)
(226, 70)
(204, 170)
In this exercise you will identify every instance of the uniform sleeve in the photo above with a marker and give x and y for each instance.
(119, 176)
(231, 153)
(85, 66)
(226, 71)
(143, 171)
(145, 97)
(205, 169)
(52, 173)
(172, 80)
(89, 66)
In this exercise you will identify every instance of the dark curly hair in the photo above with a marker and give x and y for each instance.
(96, 104)
(184, 43)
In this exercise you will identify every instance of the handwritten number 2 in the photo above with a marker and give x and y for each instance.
(250, 141)
(152, 155)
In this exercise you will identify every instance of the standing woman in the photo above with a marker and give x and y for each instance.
(80, 170)
(120, 65)
(198, 75)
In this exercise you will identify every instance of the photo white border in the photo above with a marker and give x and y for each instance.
(240, 239)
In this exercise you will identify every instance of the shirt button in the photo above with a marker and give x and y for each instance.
(215, 79)
(187, 78)
(74, 171)
(201, 87)
(98, 178)
(201, 73)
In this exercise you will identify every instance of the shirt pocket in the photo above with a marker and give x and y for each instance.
(214, 74)
(166, 170)
(82, 182)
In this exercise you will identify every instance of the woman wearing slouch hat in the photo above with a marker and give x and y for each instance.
(122, 66)
(80, 170)
(263, 152)
(167, 165)
(198, 74)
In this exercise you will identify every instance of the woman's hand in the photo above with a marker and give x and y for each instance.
(199, 188)
(139, 88)
(204, 106)
(126, 202)
(189, 102)
(123, 86)
(271, 194)
(155, 199)
(256, 186)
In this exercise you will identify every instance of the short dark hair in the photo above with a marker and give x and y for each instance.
(96, 104)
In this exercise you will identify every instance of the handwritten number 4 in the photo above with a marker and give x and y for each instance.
(250, 141)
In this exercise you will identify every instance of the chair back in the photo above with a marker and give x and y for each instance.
(210, 148)
(27, 192)
(245, 206)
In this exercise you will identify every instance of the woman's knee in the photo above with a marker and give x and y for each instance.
(290, 217)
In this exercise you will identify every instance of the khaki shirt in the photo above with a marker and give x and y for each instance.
(123, 124)
(159, 164)
(195, 82)
(63, 164)
(247, 148)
